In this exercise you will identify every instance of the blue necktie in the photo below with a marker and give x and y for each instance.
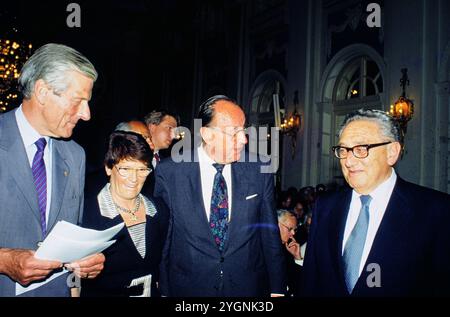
(355, 244)
(218, 218)
(40, 181)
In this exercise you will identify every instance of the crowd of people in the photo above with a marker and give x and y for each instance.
(209, 225)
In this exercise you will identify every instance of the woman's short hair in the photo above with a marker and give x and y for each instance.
(127, 146)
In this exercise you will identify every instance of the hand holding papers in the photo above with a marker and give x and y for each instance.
(68, 242)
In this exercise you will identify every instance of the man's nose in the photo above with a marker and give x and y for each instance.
(350, 160)
(173, 133)
(84, 112)
(242, 137)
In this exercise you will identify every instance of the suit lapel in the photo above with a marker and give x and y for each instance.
(239, 183)
(337, 228)
(391, 228)
(21, 172)
(17, 162)
(194, 194)
(61, 172)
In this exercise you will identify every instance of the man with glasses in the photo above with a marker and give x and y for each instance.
(223, 236)
(373, 240)
(293, 251)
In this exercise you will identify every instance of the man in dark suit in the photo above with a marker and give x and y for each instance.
(162, 126)
(42, 173)
(385, 236)
(223, 236)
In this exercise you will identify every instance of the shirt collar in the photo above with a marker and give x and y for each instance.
(108, 209)
(203, 157)
(382, 191)
(28, 133)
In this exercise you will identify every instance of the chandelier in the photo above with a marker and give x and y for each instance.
(13, 54)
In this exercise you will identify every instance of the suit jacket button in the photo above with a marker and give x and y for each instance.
(222, 259)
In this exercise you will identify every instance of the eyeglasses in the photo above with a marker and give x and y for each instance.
(127, 171)
(359, 151)
(233, 134)
(289, 228)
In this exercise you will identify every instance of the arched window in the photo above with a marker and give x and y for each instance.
(267, 100)
(352, 80)
(359, 79)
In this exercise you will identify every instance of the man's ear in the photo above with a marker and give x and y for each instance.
(151, 128)
(393, 152)
(41, 91)
(206, 134)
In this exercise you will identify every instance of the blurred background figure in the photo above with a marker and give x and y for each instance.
(287, 223)
(162, 126)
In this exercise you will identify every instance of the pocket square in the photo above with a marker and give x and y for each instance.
(251, 196)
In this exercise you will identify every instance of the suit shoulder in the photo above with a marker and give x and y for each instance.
(423, 195)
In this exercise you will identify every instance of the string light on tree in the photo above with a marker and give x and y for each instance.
(13, 54)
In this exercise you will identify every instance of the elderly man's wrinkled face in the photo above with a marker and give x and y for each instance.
(288, 227)
(225, 136)
(365, 174)
(62, 110)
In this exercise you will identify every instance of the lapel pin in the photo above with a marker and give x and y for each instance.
(66, 173)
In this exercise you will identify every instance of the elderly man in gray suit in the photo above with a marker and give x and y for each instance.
(42, 172)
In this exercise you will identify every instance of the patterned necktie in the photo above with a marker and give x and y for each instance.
(40, 181)
(218, 219)
(355, 244)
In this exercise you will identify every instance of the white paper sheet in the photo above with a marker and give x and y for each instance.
(67, 243)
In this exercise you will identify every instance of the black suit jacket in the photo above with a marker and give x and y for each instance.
(411, 246)
(252, 263)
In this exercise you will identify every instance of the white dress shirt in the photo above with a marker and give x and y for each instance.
(154, 163)
(29, 137)
(207, 173)
(380, 199)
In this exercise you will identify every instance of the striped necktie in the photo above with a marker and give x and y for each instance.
(40, 181)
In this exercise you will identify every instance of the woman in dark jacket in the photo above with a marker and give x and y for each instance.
(132, 263)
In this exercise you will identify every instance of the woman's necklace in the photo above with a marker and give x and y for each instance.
(129, 211)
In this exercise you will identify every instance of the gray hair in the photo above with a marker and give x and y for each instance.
(389, 127)
(50, 63)
(284, 212)
(123, 126)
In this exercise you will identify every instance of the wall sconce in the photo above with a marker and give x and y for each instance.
(292, 124)
(403, 109)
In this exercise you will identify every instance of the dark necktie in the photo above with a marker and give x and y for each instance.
(156, 156)
(218, 218)
(355, 244)
(40, 181)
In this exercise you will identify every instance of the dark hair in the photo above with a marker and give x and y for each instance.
(127, 145)
(206, 110)
(156, 116)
